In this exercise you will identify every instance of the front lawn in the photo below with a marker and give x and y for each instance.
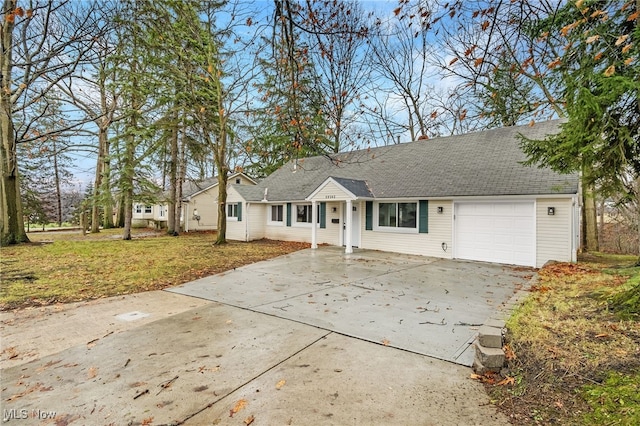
(60, 267)
(573, 348)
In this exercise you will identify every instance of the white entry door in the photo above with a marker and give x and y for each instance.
(355, 225)
(496, 232)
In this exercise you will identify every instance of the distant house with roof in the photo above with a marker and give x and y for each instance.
(199, 205)
(459, 197)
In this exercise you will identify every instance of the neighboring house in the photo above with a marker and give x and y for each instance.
(200, 202)
(199, 205)
(461, 197)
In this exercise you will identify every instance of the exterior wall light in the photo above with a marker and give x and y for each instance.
(440, 210)
(551, 211)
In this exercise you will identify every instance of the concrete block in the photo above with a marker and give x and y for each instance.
(490, 357)
(490, 337)
(493, 322)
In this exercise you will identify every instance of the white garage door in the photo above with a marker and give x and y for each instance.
(496, 232)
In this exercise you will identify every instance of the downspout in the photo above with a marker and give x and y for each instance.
(186, 217)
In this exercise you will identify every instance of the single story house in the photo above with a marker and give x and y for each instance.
(458, 197)
(199, 205)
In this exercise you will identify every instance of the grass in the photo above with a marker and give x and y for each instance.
(62, 267)
(574, 354)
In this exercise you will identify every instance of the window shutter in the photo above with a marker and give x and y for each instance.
(369, 216)
(239, 212)
(424, 217)
(288, 214)
(323, 215)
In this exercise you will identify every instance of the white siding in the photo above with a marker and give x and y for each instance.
(553, 232)
(237, 230)
(207, 205)
(429, 244)
(297, 232)
(257, 220)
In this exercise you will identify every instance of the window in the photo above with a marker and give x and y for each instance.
(163, 209)
(138, 208)
(397, 215)
(238, 181)
(277, 213)
(232, 210)
(303, 213)
(147, 209)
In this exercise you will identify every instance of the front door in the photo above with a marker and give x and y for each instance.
(355, 224)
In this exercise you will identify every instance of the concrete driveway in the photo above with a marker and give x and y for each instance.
(269, 343)
(424, 305)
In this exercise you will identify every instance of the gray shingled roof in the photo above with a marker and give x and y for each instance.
(476, 164)
(191, 187)
(359, 188)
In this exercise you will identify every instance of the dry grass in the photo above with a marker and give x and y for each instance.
(566, 337)
(70, 267)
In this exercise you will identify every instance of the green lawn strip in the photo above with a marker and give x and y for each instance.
(569, 341)
(73, 270)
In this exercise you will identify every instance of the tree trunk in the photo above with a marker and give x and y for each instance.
(182, 170)
(105, 192)
(127, 181)
(173, 180)
(590, 217)
(222, 207)
(97, 184)
(11, 220)
(56, 175)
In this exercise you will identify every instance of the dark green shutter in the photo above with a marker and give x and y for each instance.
(424, 217)
(369, 216)
(323, 215)
(288, 214)
(239, 212)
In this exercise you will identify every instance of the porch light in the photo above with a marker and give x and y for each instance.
(551, 211)
(440, 210)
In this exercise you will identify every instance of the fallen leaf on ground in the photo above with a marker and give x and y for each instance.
(509, 354)
(506, 381)
(385, 342)
(239, 406)
(601, 335)
(93, 372)
(280, 384)
(249, 420)
(475, 376)
(147, 421)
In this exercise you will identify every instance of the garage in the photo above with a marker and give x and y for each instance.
(500, 232)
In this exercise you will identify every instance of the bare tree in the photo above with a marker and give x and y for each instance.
(403, 81)
(337, 32)
(39, 47)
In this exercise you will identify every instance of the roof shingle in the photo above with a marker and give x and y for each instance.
(476, 164)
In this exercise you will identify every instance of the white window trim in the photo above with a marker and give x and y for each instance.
(231, 218)
(138, 209)
(395, 229)
(148, 207)
(272, 222)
